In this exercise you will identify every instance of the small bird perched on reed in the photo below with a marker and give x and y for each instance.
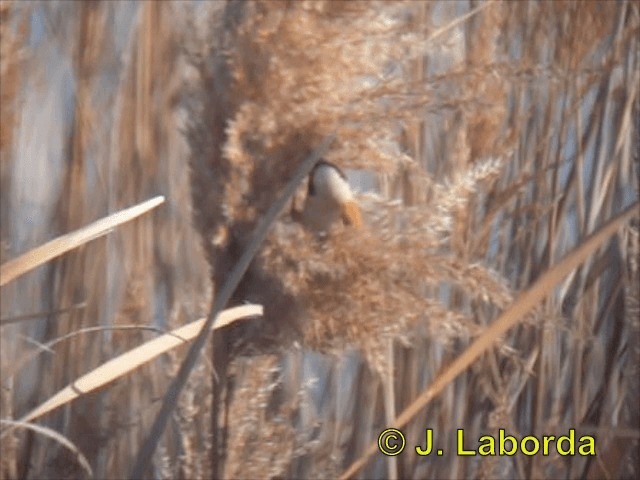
(329, 200)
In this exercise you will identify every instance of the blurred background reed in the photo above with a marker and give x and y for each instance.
(487, 140)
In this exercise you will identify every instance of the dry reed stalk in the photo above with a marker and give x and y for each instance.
(131, 360)
(47, 432)
(58, 246)
(318, 275)
(221, 299)
(527, 300)
(122, 179)
(419, 94)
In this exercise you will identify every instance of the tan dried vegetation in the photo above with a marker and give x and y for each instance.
(494, 284)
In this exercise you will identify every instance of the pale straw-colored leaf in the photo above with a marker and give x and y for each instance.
(125, 363)
(54, 248)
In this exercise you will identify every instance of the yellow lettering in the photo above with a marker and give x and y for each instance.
(547, 439)
(428, 446)
(461, 450)
(488, 448)
(589, 448)
(536, 445)
(514, 445)
(572, 443)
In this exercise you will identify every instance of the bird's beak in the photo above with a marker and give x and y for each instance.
(351, 214)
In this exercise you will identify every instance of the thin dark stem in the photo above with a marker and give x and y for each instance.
(171, 397)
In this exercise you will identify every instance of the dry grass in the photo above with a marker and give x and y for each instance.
(501, 136)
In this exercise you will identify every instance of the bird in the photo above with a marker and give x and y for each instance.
(329, 201)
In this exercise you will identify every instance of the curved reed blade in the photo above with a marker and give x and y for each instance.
(61, 439)
(129, 361)
(35, 257)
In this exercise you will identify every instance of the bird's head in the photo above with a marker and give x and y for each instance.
(329, 198)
